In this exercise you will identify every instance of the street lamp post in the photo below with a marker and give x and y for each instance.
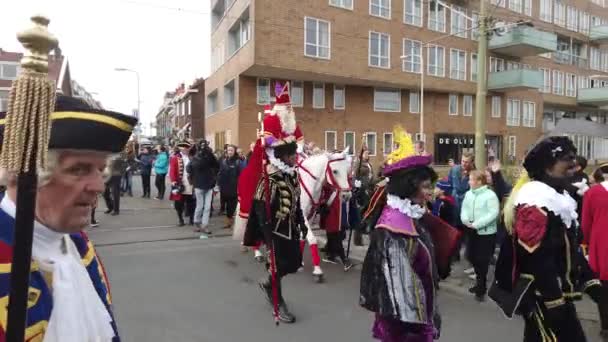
(138, 88)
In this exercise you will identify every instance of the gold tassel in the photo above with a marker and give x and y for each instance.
(31, 102)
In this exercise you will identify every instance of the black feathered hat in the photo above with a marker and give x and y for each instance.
(76, 125)
(546, 153)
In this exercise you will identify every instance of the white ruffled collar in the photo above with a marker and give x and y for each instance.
(405, 206)
(539, 194)
(274, 161)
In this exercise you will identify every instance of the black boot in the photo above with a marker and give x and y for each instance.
(266, 287)
(358, 238)
(181, 220)
(284, 315)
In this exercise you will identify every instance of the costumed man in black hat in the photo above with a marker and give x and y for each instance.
(538, 268)
(69, 298)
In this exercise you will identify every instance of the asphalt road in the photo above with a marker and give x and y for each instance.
(170, 285)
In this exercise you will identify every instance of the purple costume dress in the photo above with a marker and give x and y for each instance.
(398, 280)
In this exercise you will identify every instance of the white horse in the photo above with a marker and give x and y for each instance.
(313, 173)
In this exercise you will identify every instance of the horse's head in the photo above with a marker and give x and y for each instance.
(338, 171)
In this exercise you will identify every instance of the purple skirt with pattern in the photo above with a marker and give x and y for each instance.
(391, 330)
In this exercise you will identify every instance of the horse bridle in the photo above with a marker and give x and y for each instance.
(329, 176)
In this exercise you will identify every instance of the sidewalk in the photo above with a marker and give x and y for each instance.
(458, 283)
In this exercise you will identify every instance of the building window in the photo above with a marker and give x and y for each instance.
(558, 82)
(387, 100)
(413, 12)
(318, 95)
(572, 18)
(238, 35)
(458, 64)
(473, 67)
(317, 42)
(228, 95)
(497, 64)
(436, 16)
(583, 24)
(513, 115)
(370, 142)
(496, 106)
(388, 143)
(379, 50)
(339, 97)
(467, 105)
(412, 52)
(263, 91)
(297, 93)
(583, 82)
(414, 102)
(9, 71)
(515, 5)
(348, 4)
(212, 102)
(3, 100)
(594, 58)
(380, 8)
(559, 14)
(546, 88)
(458, 22)
(436, 60)
(529, 114)
(453, 106)
(528, 7)
(570, 85)
(349, 141)
(546, 10)
(331, 141)
(474, 26)
(512, 146)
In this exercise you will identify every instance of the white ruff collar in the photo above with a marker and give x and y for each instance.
(274, 161)
(541, 195)
(78, 313)
(405, 206)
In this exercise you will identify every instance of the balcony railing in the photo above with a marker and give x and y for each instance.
(524, 41)
(593, 96)
(515, 79)
(570, 59)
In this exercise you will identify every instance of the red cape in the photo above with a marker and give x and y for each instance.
(249, 178)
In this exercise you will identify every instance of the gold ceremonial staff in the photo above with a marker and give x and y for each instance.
(24, 151)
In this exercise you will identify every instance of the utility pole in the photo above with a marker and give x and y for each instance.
(482, 87)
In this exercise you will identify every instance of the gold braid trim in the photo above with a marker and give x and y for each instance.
(555, 303)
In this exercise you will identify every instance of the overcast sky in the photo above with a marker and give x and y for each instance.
(167, 42)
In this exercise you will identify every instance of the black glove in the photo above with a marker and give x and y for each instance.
(595, 292)
(323, 210)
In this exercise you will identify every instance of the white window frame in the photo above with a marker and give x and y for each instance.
(435, 22)
(528, 7)
(341, 4)
(214, 96)
(335, 133)
(314, 87)
(380, 8)
(511, 145)
(513, 118)
(233, 81)
(571, 18)
(343, 89)
(546, 11)
(529, 114)
(259, 100)
(496, 106)
(375, 149)
(428, 64)
(473, 68)
(496, 64)
(515, 5)
(354, 147)
(4, 100)
(557, 81)
(416, 95)
(465, 99)
(583, 23)
(450, 98)
(570, 84)
(546, 87)
(559, 13)
(9, 78)
(414, 60)
(416, 17)
(317, 43)
(291, 90)
(459, 23)
(461, 61)
(583, 82)
(377, 109)
(384, 135)
(379, 56)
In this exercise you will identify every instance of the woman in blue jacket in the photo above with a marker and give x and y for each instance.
(479, 212)
(161, 167)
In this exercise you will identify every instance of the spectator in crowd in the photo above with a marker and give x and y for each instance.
(161, 168)
(127, 177)
(444, 203)
(595, 235)
(111, 193)
(230, 169)
(203, 169)
(420, 148)
(459, 178)
(145, 166)
(181, 188)
(364, 185)
(502, 189)
(479, 212)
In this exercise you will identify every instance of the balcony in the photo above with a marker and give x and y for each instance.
(599, 34)
(515, 79)
(569, 59)
(593, 96)
(523, 41)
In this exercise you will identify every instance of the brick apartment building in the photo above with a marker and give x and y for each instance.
(343, 58)
(59, 71)
(182, 114)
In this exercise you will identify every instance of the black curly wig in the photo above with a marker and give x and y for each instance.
(406, 183)
(546, 154)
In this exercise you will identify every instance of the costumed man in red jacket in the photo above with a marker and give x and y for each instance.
(69, 294)
(181, 187)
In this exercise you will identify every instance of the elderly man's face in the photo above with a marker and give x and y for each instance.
(64, 204)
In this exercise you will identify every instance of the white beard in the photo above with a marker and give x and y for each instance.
(287, 118)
